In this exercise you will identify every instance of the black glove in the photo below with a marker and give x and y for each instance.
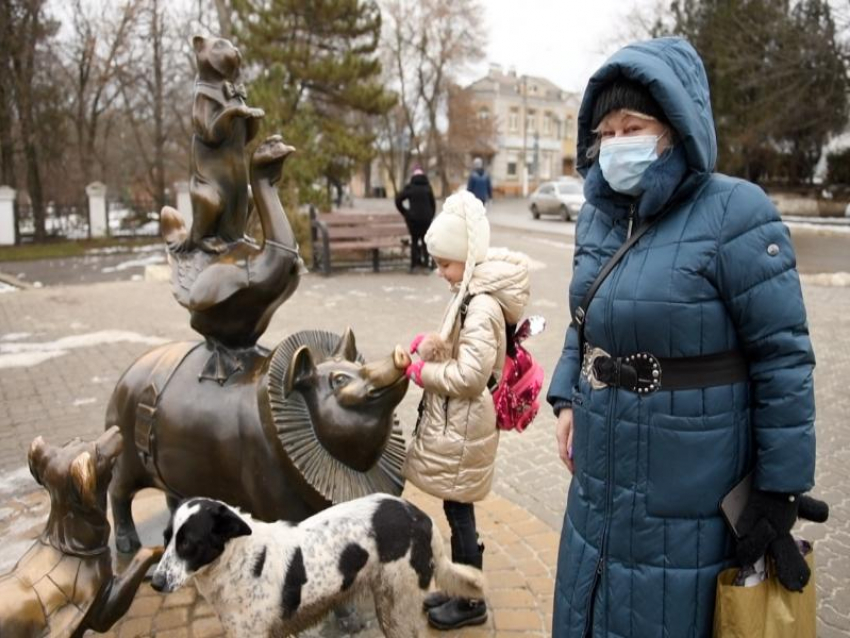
(765, 529)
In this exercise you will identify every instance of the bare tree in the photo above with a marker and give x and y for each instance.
(427, 45)
(155, 88)
(472, 132)
(25, 29)
(96, 52)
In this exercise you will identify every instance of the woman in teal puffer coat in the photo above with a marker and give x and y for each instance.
(711, 295)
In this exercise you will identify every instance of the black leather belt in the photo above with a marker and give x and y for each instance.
(645, 373)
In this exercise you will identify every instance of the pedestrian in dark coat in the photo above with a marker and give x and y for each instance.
(479, 182)
(418, 214)
(643, 539)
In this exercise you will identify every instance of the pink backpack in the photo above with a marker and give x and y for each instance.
(515, 394)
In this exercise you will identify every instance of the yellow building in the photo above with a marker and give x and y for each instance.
(535, 120)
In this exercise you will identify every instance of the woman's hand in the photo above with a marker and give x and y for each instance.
(564, 436)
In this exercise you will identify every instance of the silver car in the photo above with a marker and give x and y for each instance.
(562, 198)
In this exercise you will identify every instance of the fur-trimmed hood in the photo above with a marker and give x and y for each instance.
(504, 276)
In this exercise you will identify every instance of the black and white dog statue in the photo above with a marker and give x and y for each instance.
(276, 579)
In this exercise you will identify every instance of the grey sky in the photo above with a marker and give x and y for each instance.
(561, 40)
(566, 40)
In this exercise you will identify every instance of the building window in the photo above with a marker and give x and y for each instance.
(547, 123)
(513, 116)
(483, 113)
(512, 165)
(546, 165)
(530, 116)
(568, 129)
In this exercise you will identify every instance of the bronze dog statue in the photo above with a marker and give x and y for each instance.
(64, 583)
(293, 431)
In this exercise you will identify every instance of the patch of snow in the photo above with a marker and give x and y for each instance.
(398, 289)
(87, 401)
(137, 278)
(23, 354)
(15, 336)
(550, 242)
(534, 265)
(544, 303)
(135, 263)
(831, 279)
(823, 228)
(37, 284)
(4, 288)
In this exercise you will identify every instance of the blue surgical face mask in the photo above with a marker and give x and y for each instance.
(624, 160)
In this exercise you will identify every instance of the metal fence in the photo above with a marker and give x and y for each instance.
(61, 220)
(125, 218)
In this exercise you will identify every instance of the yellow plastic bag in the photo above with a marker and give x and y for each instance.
(766, 610)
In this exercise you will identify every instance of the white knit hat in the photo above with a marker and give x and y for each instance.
(460, 232)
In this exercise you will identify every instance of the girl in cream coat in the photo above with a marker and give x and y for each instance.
(453, 452)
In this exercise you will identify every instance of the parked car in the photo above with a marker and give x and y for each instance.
(563, 198)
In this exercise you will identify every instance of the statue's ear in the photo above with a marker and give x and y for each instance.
(198, 43)
(108, 446)
(84, 478)
(302, 370)
(346, 348)
(34, 457)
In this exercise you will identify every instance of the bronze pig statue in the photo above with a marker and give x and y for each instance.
(292, 432)
(64, 584)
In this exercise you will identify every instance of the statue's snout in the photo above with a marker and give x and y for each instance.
(400, 358)
(387, 371)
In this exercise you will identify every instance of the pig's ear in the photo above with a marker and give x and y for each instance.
(34, 457)
(84, 477)
(302, 370)
(110, 443)
(346, 348)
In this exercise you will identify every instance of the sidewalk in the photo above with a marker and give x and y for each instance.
(62, 350)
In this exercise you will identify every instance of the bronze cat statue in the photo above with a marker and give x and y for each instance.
(64, 585)
(222, 124)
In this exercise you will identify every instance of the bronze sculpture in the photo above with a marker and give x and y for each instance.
(297, 429)
(233, 294)
(281, 434)
(64, 584)
(222, 124)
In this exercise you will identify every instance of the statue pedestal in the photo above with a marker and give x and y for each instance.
(98, 223)
(7, 216)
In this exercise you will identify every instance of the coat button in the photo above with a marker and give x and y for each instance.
(773, 250)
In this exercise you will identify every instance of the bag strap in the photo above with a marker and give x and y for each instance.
(492, 382)
(581, 311)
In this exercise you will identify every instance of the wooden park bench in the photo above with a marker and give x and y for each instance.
(354, 233)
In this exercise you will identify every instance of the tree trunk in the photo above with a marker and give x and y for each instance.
(24, 65)
(7, 149)
(225, 24)
(158, 118)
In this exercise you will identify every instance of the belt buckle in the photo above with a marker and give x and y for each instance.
(591, 355)
(647, 371)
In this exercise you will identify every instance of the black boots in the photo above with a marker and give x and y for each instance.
(457, 613)
(445, 612)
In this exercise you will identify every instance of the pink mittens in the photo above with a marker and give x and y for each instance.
(414, 345)
(414, 372)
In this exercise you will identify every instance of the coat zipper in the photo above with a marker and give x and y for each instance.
(609, 424)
